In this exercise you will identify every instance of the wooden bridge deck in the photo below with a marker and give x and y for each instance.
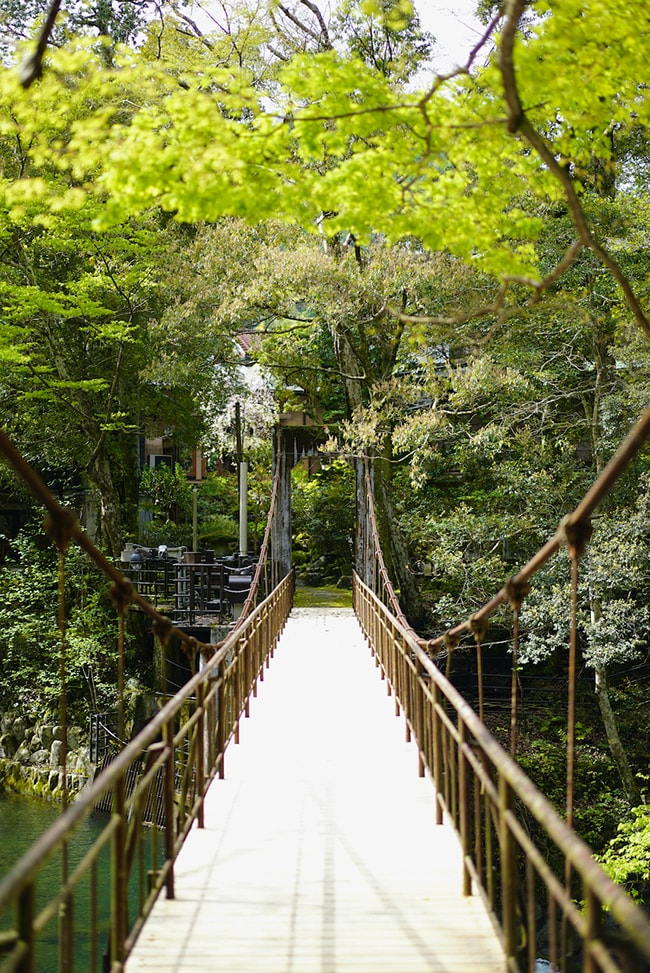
(320, 850)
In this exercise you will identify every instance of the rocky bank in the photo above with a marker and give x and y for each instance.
(30, 758)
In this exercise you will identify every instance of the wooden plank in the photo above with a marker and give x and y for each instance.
(320, 850)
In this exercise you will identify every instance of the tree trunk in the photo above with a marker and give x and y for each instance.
(110, 521)
(604, 379)
(392, 542)
(351, 372)
(611, 729)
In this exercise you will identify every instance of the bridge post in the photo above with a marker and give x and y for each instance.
(363, 552)
(200, 752)
(169, 807)
(119, 884)
(464, 805)
(508, 872)
(26, 909)
(282, 523)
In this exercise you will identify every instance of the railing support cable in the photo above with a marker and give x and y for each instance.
(491, 802)
(516, 596)
(574, 524)
(159, 777)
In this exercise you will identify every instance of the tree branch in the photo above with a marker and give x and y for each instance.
(196, 30)
(55, 392)
(109, 408)
(278, 54)
(327, 43)
(32, 65)
(519, 124)
(539, 286)
(298, 23)
(467, 66)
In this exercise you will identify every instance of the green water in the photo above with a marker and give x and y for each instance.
(22, 822)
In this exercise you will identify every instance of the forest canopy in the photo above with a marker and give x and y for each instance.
(418, 241)
(453, 268)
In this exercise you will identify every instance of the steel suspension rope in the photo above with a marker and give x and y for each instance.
(383, 577)
(265, 552)
(62, 523)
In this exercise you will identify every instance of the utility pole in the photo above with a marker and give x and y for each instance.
(242, 468)
(195, 518)
(197, 462)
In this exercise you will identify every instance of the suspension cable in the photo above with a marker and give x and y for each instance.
(265, 551)
(577, 521)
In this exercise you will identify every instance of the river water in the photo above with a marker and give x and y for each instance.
(22, 822)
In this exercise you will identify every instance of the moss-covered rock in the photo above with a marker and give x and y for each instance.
(30, 758)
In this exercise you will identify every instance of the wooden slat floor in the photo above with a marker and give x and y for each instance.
(320, 850)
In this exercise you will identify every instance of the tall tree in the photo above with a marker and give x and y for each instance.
(323, 314)
(468, 165)
(117, 21)
(81, 313)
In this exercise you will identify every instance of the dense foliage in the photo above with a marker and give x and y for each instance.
(456, 275)
(323, 508)
(30, 635)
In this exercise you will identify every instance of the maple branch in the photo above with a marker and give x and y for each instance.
(497, 308)
(32, 66)
(520, 125)
(325, 37)
(541, 285)
(467, 66)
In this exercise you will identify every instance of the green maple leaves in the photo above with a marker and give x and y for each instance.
(334, 134)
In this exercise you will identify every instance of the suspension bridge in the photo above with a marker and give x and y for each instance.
(323, 798)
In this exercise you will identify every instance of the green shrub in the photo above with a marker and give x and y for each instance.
(627, 856)
(30, 641)
(156, 532)
(169, 490)
(323, 518)
(218, 493)
(217, 530)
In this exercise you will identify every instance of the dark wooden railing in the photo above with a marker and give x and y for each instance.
(588, 923)
(175, 758)
(154, 786)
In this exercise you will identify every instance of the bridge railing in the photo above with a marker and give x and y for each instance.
(172, 760)
(555, 901)
(573, 535)
(154, 786)
(266, 575)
